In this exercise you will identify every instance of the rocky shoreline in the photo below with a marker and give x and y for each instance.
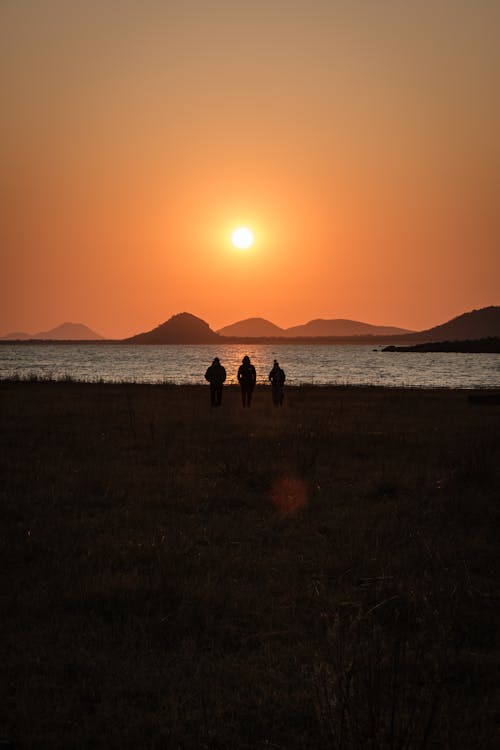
(489, 345)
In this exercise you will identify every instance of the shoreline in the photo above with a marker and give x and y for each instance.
(224, 341)
(262, 386)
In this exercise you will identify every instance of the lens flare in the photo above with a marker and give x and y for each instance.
(289, 495)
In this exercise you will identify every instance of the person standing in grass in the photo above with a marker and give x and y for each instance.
(246, 378)
(277, 377)
(216, 375)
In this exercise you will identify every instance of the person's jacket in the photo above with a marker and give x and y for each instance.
(247, 375)
(277, 376)
(216, 374)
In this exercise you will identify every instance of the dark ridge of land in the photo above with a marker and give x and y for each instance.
(185, 328)
(319, 576)
(56, 342)
(470, 325)
(64, 332)
(489, 345)
(373, 340)
(221, 341)
(338, 327)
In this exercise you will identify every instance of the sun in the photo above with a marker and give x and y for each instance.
(242, 238)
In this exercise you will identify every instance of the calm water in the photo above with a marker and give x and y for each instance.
(357, 365)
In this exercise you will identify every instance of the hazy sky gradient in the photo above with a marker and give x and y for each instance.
(358, 139)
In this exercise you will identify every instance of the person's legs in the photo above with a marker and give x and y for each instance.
(212, 395)
(218, 395)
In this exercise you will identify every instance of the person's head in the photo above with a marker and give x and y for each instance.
(216, 361)
(276, 363)
(246, 360)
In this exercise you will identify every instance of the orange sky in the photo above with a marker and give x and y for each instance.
(358, 139)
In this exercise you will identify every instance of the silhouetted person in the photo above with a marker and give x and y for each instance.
(277, 377)
(246, 378)
(216, 375)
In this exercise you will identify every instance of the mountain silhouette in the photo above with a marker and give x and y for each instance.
(185, 328)
(16, 336)
(342, 327)
(252, 327)
(262, 328)
(63, 332)
(477, 324)
(182, 328)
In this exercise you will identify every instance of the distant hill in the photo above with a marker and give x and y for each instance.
(252, 327)
(16, 336)
(262, 328)
(183, 328)
(63, 332)
(69, 331)
(342, 327)
(477, 324)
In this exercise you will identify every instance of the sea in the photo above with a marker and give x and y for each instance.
(303, 364)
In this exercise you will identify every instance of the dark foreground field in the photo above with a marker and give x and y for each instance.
(324, 576)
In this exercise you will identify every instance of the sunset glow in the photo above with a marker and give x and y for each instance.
(359, 146)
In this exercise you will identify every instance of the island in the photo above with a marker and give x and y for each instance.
(490, 345)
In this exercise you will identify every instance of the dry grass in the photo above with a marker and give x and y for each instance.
(322, 576)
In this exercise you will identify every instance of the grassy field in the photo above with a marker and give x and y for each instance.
(321, 576)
